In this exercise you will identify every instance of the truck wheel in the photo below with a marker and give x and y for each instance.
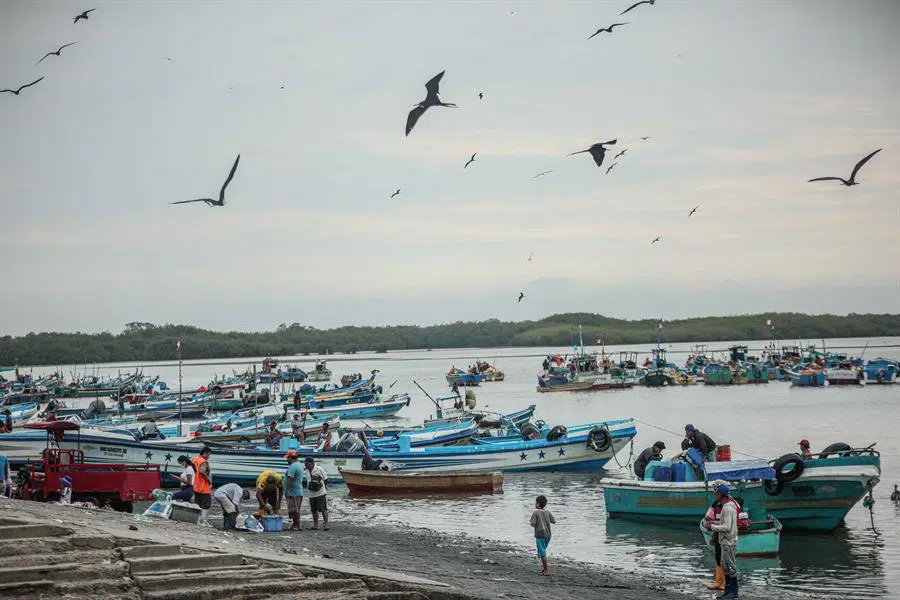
(93, 500)
(122, 506)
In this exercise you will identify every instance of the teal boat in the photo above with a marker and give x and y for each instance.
(810, 495)
(763, 538)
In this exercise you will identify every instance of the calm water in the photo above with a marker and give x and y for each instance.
(764, 421)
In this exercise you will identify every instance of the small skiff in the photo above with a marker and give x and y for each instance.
(411, 483)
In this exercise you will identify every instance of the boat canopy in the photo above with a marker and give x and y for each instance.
(53, 426)
(737, 470)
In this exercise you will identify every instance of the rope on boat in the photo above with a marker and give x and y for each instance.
(627, 464)
(869, 502)
(680, 434)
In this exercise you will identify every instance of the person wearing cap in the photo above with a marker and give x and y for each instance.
(694, 438)
(804, 450)
(293, 488)
(268, 492)
(186, 479)
(654, 452)
(726, 530)
(316, 477)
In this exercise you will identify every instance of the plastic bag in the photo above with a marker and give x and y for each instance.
(252, 525)
(163, 510)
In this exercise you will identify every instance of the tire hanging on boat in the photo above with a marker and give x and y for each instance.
(796, 461)
(836, 448)
(557, 432)
(530, 432)
(773, 487)
(599, 439)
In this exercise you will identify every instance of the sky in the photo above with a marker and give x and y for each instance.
(743, 102)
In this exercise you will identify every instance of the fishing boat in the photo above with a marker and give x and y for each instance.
(658, 373)
(449, 415)
(464, 378)
(410, 483)
(292, 374)
(881, 371)
(844, 374)
(488, 371)
(93, 386)
(812, 495)
(363, 410)
(257, 433)
(22, 411)
(320, 372)
(806, 376)
(427, 435)
(580, 373)
(762, 538)
(269, 372)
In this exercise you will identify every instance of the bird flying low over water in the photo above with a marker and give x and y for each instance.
(221, 200)
(27, 85)
(645, 138)
(693, 210)
(622, 153)
(597, 151)
(542, 173)
(608, 29)
(397, 193)
(610, 167)
(56, 53)
(84, 15)
(470, 161)
(431, 99)
(852, 180)
(635, 5)
(521, 296)
(654, 240)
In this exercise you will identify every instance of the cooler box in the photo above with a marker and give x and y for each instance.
(272, 523)
(652, 466)
(186, 512)
(679, 471)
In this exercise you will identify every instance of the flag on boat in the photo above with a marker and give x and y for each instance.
(178, 346)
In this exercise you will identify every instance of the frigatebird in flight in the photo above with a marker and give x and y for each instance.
(654, 240)
(84, 15)
(635, 5)
(431, 99)
(221, 200)
(470, 161)
(56, 53)
(530, 256)
(397, 193)
(27, 85)
(542, 173)
(693, 210)
(610, 167)
(645, 138)
(622, 153)
(608, 29)
(852, 180)
(481, 95)
(521, 295)
(597, 151)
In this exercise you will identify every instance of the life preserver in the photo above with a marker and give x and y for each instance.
(556, 433)
(788, 476)
(599, 439)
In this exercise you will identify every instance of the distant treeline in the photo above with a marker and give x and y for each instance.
(149, 342)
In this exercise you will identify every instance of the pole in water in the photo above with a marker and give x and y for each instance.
(180, 396)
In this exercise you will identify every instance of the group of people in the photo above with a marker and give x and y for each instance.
(271, 489)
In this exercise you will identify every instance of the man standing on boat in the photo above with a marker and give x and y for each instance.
(694, 438)
(727, 532)
(652, 453)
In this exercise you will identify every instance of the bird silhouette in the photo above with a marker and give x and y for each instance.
(481, 95)
(221, 200)
(610, 167)
(635, 5)
(542, 173)
(654, 240)
(397, 193)
(530, 257)
(56, 53)
(645, 138)
(470, 161)
(852, 180)
(622, 153)
(168, 58)
(597, 151)
(431, 99)
(27, 85)
(84, 15)
(608, 29)
(521, 295)
(693, 210)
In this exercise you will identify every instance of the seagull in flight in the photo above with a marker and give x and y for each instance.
(654, 240)
(645, 138)
(84, 15)
(597, 151)
(56, 53)
(431, 99)
(608, 29)
(542, 173)
(852, 180)
(610, 167)
(635, 5)
(530, 257)
(27, 85)
(397, 193)
(622, 153)
(221, 200)
(521, 296)
(470, 161)
(693, 210)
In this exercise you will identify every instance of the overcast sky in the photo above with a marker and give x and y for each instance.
(744, 101)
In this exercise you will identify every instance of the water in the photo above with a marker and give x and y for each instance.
(762, 421)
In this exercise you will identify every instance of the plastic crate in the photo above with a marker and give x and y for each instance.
(185, 512)
(272, 524)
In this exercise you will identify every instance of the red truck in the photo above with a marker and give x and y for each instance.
(117, 485)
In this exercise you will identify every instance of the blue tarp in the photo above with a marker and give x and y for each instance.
(736, 470)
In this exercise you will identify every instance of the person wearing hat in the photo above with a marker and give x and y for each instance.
(654, 452)
(268, 492)
(726, 530)
(694, 438)
(316, 477)
(804, 450)
(293, 488)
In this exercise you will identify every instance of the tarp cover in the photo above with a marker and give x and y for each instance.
(737, 470)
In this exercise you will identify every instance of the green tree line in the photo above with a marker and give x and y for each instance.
(141, 341)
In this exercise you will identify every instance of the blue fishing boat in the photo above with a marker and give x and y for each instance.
(292, 374)
(881, 370)
(464, 378)
(367, 410)
(429, 435)
(803, 376)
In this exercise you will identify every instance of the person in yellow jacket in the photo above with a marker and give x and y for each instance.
(268, 492)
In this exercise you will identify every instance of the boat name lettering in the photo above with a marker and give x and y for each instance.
(338, 462)
(116, 451)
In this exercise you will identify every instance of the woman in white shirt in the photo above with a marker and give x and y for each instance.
(186, 479)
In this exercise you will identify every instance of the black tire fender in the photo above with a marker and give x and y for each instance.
(836, 448)
(556, 433)
(599, 439)
(788, 476)
(773, 487)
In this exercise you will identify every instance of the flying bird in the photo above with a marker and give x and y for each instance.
(27, 85)
(168, 58)
(431, 99)
(654, 240)
(597, 151)
(610, 167)
(635, 5)
(693, 210)
(56, 53)
(542, 173)
(622, 153)
(481, 95)
(221, 200)
(608, 29)
(530, 257)
(470, 161)
(397, 193)
(645, 138)
(521, 295)
(84, 15)
(852, 180)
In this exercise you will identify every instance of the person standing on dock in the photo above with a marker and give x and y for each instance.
(541, 519)
(202, 484)
(694, 438)
(652, 453)
(318, 500)
(293, 489)
(727, 531)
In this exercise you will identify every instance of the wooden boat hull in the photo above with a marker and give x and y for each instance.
(754, 544)
(387, 483)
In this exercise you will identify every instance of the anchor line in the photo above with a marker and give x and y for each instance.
(630, 456)
(869, 502)
(676, 433)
